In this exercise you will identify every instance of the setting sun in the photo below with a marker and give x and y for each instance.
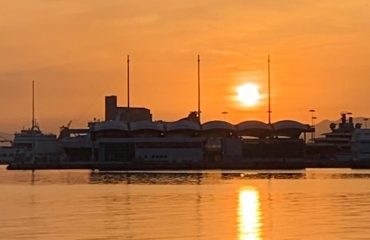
(248, 94)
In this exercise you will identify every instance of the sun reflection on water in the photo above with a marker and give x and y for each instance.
(249, 214)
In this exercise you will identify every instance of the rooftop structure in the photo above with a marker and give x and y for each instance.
(290, 128)
(147, 128)
(126, 114)
(254, 129)
(221, 128)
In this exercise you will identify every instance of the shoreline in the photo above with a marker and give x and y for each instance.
(265, 165)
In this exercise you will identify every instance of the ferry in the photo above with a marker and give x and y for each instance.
(31, 145)
(347, 141)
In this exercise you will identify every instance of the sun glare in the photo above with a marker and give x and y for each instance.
(248, 94)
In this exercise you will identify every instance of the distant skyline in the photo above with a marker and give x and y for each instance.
(76, 53)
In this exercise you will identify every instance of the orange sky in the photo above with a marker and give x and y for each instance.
(75, 51)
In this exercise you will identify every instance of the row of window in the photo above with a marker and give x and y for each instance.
(7, 155)
(155, 156)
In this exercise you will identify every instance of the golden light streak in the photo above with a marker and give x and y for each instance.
(249, 215)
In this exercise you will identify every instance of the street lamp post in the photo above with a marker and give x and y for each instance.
(225, 113)
(312, 111)
(314, 127)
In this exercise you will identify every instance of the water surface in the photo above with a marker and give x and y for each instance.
(310, 204)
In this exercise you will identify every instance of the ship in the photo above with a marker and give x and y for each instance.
(32, 145)
(347, 141)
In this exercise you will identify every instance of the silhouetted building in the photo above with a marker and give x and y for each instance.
(132, 114)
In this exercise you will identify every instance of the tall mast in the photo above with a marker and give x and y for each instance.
(199, 87)
(33, 105)
(33, 129)
(128, 81)
(128, 88)
(269, 88)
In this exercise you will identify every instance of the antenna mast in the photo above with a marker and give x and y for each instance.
(128, 88)
(33, 105)
(269, 89)
(199, 87)
(128, 81)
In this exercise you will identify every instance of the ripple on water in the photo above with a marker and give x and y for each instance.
(325, 204)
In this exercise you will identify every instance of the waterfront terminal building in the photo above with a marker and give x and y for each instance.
(130, 135)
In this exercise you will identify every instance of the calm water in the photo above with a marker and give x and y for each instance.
(311, 204)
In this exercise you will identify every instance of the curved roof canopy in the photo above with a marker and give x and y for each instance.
(290, 128)
(183, 125)
(254, 129)
(290, 124)
(146, 125)
(246, 125)
(110, 125)
(218, 125)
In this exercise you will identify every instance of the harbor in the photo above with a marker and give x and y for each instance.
(129, 139)
(186, 144)
(184, 120)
